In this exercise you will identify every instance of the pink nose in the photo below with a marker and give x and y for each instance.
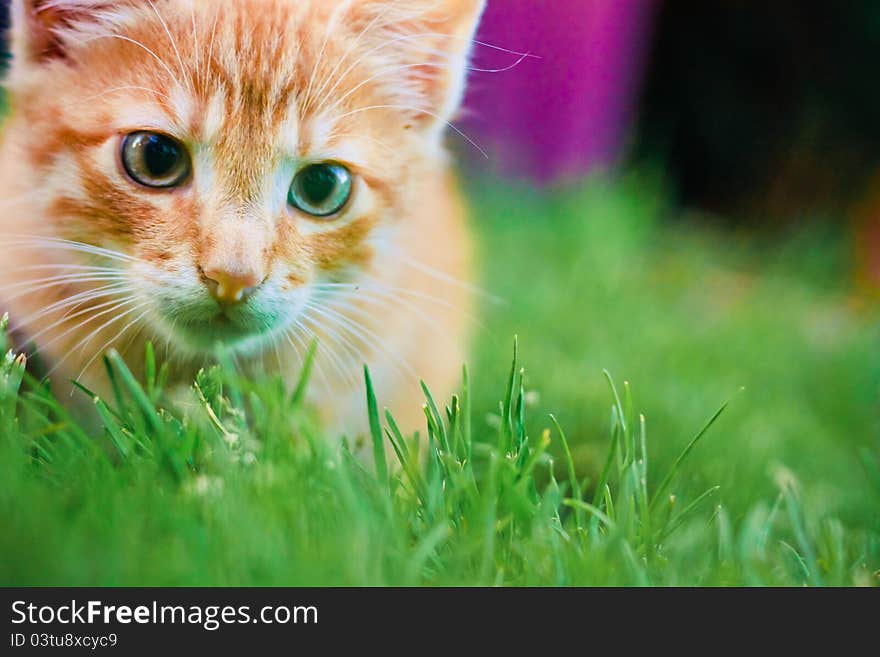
(231, 287)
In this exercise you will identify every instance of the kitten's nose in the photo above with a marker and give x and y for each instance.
(231, 286)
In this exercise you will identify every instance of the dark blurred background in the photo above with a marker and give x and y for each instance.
(764, 111)
(760, 114)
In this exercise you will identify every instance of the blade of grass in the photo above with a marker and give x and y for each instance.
(299, 392)
(376, 430)
(658, 494)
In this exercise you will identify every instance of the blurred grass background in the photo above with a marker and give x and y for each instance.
(612, 275)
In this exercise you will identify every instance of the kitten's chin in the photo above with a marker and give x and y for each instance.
(205, 337)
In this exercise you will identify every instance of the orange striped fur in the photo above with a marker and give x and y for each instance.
(254, 89)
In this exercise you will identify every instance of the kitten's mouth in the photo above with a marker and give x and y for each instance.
(226, 328)
(245, 328)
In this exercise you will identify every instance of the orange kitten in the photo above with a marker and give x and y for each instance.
(246, 174)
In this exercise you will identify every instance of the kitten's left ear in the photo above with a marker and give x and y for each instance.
(42, 30)
(434, 38)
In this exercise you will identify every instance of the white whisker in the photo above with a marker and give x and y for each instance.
(62, 279)
(330, 77)
(113, 339)
(195, 36)
(82, 343)
(398, 68)
(361, 137)
(63, 244)
(409, 108)
(291, 334)
(331, 24)
(115, 304)
(127, 87)
(63, 266)
(446, 278)
(72, 303)
(210, 56)
(343, 369)
(366, 335)
(367, 53)
(352, 306)
(173, 42)
(139, 45)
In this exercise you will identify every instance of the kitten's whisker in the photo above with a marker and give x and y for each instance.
(331, 24)
(70, 245)
(118, 306)
(34, 285)
(293, 333)
(343, 369)
(384, 296)
(76, 307)
(521, 56)
(394, 68)
(91, 310)
(84, 341)
(367, 295)
(285, 334)
(195, 36)
(418, 110)
(346, 357)
(447, 278)
(330, 77)
(320, 364)
(116, 337)
(53, 287)
(210, 58)
(83, 297)
(62, 266)
(356, 137)
(367, 336)
(173, 45)
(277, 353)
(133, 337)
(353, 307)
(88, 338)
(139, 45)
(378, 288)
(168, 336)
(398, 68)
(389, 291)
(371, 51)
(127, 87)
(72, 303)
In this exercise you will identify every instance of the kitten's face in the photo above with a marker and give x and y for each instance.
(240, 152)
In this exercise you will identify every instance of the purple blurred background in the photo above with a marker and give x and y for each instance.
(568, 109)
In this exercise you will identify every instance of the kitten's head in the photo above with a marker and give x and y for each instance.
(239, 152)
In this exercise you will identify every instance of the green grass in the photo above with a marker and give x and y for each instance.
(648, 484)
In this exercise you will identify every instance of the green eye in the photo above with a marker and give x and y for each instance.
(321, 190)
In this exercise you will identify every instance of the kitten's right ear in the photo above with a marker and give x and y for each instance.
(42, 29)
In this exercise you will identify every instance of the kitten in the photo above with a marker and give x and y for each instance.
(241, 174)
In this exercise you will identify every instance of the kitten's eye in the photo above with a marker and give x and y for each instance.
(155, 160)
(321, 190)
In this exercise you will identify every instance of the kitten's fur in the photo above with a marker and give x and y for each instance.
(253, 88)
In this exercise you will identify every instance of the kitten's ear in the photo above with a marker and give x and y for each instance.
(42, 29)
(434, 38)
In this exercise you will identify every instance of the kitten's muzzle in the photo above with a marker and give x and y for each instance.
(231, 287)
